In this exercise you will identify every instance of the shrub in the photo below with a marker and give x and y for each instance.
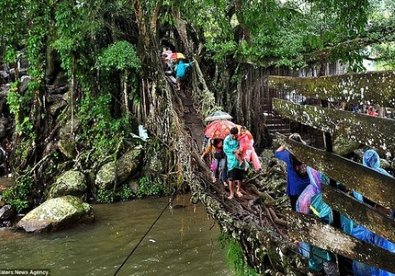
(150, 188)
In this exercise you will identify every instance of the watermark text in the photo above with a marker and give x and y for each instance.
(34, 272)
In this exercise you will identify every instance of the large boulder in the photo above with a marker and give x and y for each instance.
(57, 213)
(69, 183)
(118, 171)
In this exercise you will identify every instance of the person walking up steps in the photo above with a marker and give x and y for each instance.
(181, 69)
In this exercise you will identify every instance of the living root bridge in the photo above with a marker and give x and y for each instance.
(259, 229)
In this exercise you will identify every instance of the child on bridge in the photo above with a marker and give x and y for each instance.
(247, 152)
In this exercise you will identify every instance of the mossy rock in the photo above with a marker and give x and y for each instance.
(57, 213)
(67, 148)
(119, 171)
(69, 183)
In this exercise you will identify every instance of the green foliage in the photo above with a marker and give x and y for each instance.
(19, 195)
(109, 196)
(150, 188)
(125, 193)
(39, 15)
(99, 129)
(120, 56)
(82, 39)
(13, 28)
(14, 100)
(105, 196)
(26, 127)
(385, 54)
(73, 31)
(279, 32)
(10, 55)
(235, 257)
(18, 103)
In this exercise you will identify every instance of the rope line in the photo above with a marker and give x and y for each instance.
(142, 238)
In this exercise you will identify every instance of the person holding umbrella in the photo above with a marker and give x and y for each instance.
(214, 133)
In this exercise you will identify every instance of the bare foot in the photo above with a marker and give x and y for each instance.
(231, 196)
(239, 194)
(213, 179)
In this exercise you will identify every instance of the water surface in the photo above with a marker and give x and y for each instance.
(184, 241)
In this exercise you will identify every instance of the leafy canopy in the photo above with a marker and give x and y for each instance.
(120, 56)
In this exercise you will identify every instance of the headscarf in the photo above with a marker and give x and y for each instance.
(304, 201)
(371, 159)
(315, 179)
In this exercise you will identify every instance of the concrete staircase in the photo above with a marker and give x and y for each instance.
(275, 123)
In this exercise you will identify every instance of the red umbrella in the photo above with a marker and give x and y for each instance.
(218, 129)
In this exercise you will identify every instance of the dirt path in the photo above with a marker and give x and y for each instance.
(193, 120)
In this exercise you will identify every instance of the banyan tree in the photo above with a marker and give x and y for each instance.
(94, 74)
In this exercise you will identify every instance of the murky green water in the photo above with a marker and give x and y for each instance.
(181, 243)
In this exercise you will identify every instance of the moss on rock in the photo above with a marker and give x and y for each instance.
(118, 171)
(69, 183)
(57, 213)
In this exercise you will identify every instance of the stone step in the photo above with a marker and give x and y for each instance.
(274, 120)
(277, 125)
(285, 128)
(281, 129)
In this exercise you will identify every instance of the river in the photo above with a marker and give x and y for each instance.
(182, 242)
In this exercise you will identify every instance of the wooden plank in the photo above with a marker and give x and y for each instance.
(364, 129)
(362, 88)
(308, 229)
(360, 213)
(373, 185)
